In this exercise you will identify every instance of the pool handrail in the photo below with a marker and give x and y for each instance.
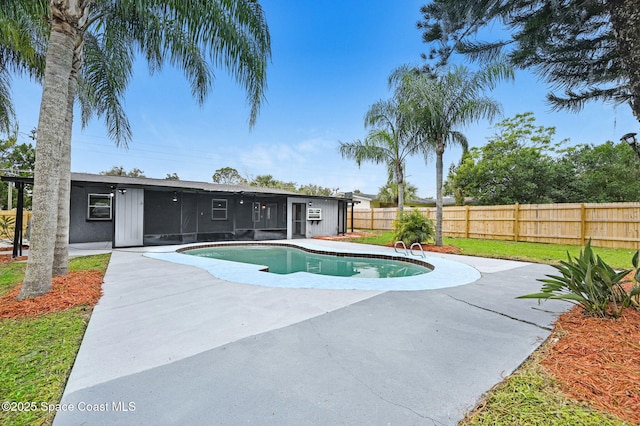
(421, 250)
(404, 246)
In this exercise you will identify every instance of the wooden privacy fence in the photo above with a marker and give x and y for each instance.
(7, 223)
(607, 225)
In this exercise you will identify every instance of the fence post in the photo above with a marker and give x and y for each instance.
(466, 221)
(372, 210)
(583, 223)
(516, 222)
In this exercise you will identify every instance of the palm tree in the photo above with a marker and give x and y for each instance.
(442, 104)
(391, 141)
(194, 35)
(21, 50)
(389, 192)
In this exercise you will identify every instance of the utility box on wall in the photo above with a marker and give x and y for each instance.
(314, 213)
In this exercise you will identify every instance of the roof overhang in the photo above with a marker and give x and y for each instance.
(115, 182)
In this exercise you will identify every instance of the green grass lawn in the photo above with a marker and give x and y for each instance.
(38, 353)
(10, 275)
(531, 397)
(530, 252)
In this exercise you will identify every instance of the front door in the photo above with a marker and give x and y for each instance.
(271, 215)
(129, 217)
(299, 220)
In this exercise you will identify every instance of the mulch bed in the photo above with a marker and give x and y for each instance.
(75, 288)
(6, 258)
(437, 249)
(597, 361)
(345, 236)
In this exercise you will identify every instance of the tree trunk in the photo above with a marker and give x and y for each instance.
(625, 19)
(400, 181)
(60, 265)
(65, 15)
(37, 279)
(61, 251)
(439, 154)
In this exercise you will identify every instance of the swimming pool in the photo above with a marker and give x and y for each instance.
(281, 259)
(445, 272)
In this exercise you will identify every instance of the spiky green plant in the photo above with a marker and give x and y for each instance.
(587, 280)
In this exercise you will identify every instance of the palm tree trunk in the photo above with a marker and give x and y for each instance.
(60, 265)
(61, 250)
(400, 181)
(439, 203)
(53, 114)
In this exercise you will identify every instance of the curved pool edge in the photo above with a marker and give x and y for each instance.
(446, 273)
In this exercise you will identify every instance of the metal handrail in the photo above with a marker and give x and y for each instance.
(421, 250)
(404, 246)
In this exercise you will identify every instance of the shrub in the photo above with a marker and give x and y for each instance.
(587, 280)
(413, 227)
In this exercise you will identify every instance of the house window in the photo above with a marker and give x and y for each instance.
(218, 209)
(99, 207)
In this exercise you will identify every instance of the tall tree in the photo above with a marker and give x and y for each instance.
(442, 104)
(590, 49)
(120, 171)
(267, 181)
(389, 192)
(604, 173)
(391, 140)
(317, 190)
(232, 34)
(519, 164)
(228, 176)
(15, 160)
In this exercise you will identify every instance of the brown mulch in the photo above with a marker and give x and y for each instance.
(7, 258)
(345, 236)
(597, 361)
(75, 288)
(437, 249)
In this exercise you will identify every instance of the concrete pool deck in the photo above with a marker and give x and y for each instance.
(171, 344)
(446, 273)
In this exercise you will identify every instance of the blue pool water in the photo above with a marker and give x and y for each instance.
(287, 260)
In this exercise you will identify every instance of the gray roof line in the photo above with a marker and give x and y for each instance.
(177, 184)
(123, 181)
(128, 181)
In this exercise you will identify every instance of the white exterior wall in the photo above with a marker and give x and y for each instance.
(327, 226)
(363, 204)
(129, 218)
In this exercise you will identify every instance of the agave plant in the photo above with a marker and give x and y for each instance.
(634, 293)
(413, 227)
(587, 280)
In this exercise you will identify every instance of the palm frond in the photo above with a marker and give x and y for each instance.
(104, 77)
(7, 114)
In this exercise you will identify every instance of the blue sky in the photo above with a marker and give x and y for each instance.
(331, 60)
